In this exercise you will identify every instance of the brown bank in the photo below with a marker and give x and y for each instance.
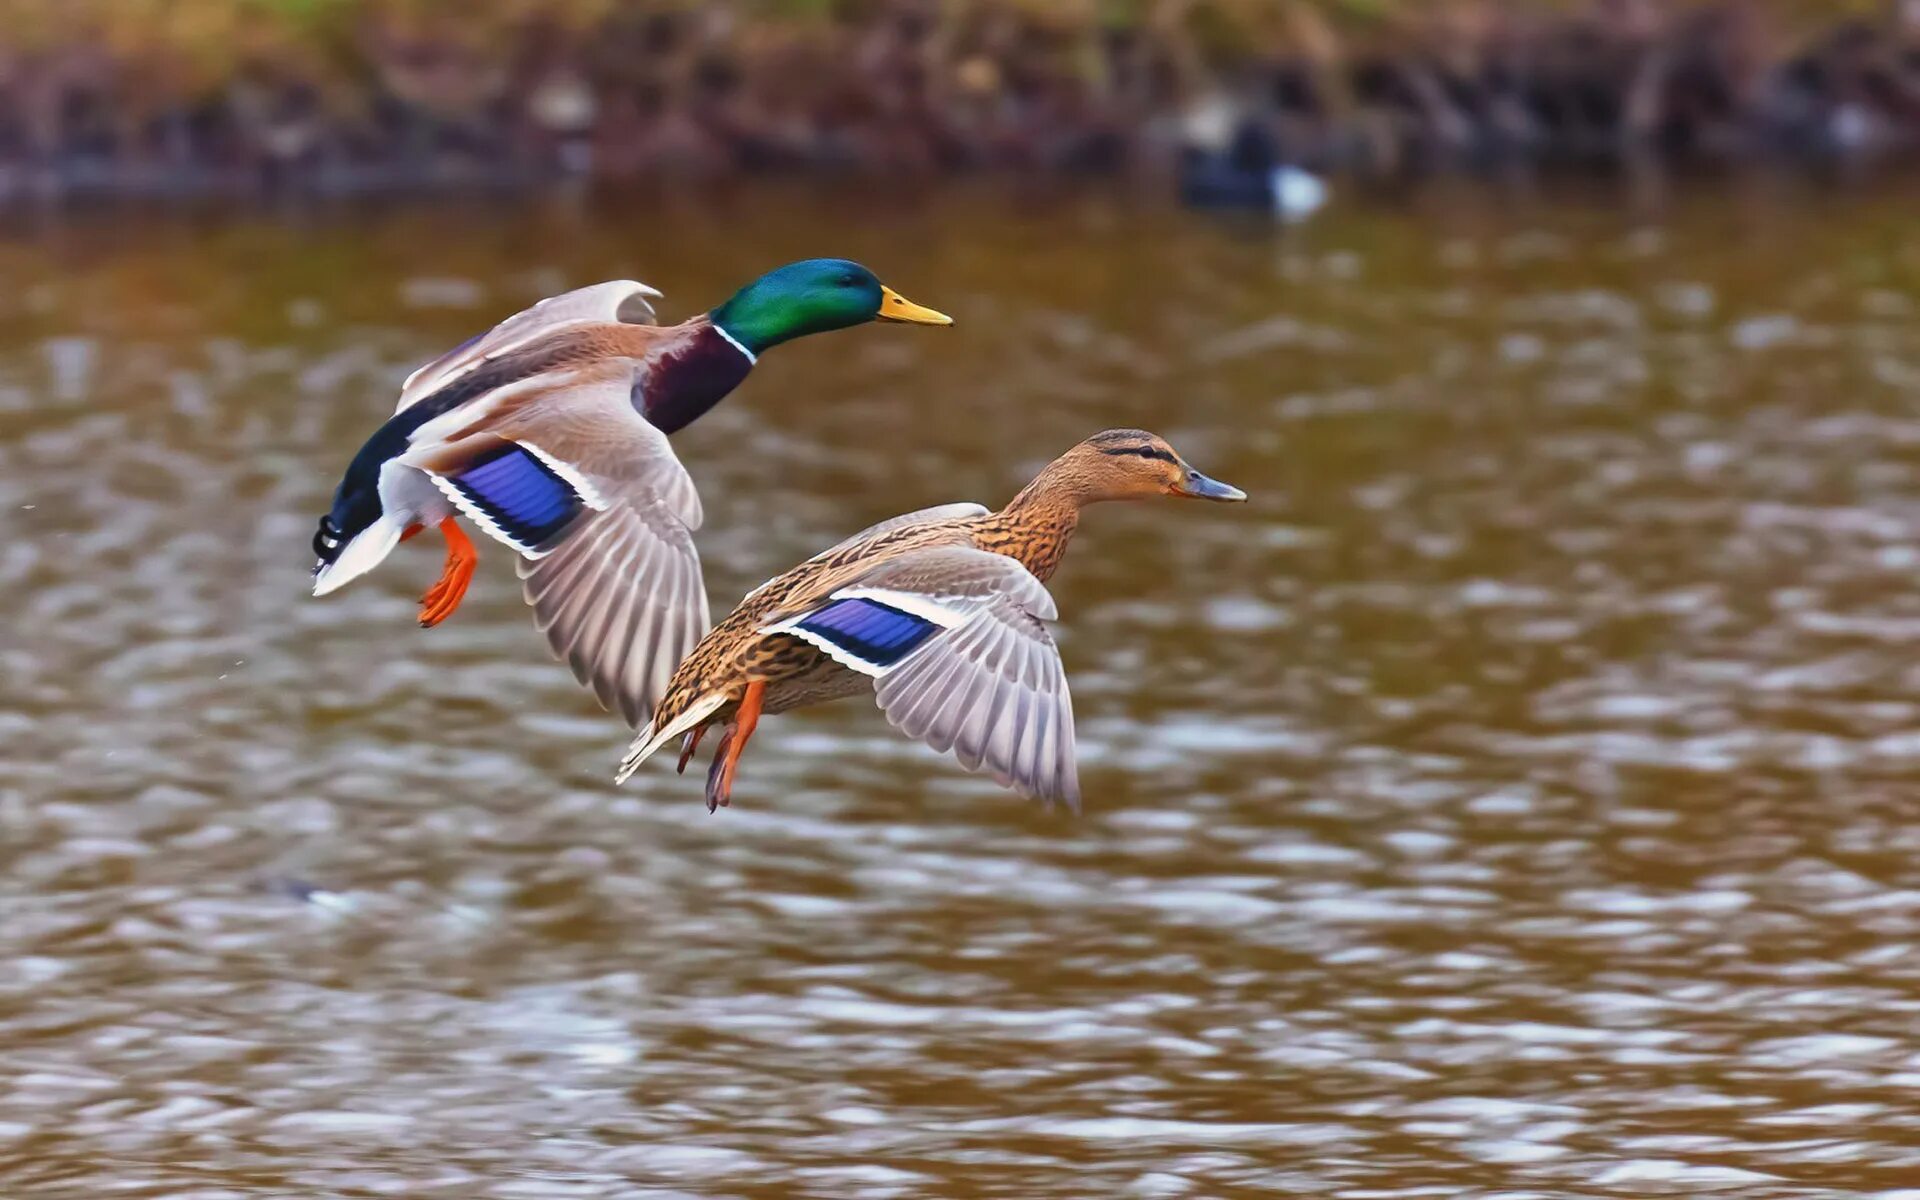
(346, 96)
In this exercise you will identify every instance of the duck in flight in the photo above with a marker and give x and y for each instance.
(942, 614)
(549, 433)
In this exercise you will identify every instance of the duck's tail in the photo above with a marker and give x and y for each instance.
(357, 532)
(661, 732)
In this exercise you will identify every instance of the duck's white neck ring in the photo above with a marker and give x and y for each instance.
(736, 343)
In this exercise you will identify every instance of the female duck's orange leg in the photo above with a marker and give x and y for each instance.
(445, 596)
(733, 739)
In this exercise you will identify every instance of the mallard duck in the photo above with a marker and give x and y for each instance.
(942, 612)
(1232, 161)
(549, 433)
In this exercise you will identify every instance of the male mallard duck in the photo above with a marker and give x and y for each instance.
(549, 433)
(943, 610)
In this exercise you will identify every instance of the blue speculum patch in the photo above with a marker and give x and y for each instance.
(523, 495)
(869, 630)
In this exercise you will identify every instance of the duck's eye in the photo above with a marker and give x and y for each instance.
(849, 281)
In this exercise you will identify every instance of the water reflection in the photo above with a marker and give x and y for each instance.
(1514, 800)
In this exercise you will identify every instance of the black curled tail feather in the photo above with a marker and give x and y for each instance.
(355, 508)
(327, 543)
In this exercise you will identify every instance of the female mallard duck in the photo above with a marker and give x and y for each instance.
(549, 433)
(943, 610)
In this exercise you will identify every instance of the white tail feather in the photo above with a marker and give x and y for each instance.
(648, 742)
(366, 551)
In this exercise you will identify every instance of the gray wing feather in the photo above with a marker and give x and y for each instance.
(991, 689)
(622, 601)
(619, 300)
(620, 597)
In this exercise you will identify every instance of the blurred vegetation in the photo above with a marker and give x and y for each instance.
(349, 94)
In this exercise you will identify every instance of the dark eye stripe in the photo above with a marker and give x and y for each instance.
(1142, 451)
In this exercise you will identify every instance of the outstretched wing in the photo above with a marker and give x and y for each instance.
(591, 496)
(939, 512)
(618, 300)
(956, 640)
(622, 601)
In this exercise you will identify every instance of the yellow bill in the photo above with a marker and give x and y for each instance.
(895, 307)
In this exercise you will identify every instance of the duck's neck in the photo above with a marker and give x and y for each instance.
(738, 342)
(1037, 524)
(693, 376)
(754, 322)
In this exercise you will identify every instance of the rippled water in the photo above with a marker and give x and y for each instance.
(1517, 799)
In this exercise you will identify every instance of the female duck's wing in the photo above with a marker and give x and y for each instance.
(621, 300)
(956, 640)
(601, 512)
(939, 512)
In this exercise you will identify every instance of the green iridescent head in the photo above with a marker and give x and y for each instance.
(812, 297)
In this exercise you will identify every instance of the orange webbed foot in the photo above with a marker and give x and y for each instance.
(445, 596)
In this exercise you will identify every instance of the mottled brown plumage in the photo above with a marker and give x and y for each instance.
(948, 569)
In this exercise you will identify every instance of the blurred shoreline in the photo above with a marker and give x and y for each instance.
(246, 98)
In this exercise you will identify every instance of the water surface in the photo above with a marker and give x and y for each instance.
(1518, 798)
